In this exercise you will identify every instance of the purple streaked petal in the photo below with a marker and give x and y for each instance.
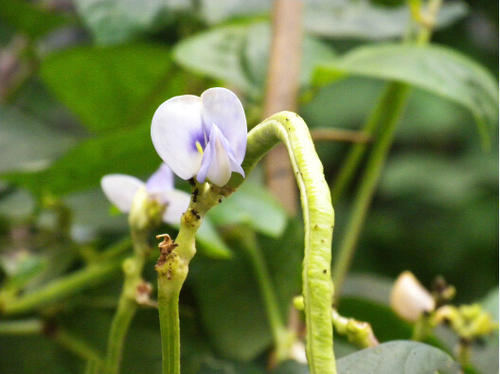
(177, 203)
(175, 129)
(120, 189)
(215, 166)
(161, 180)
(222, 107)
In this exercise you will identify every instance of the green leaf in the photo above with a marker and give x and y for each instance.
(114, 87)
(30, 18)
(115, 21)
(254, 206)
(218, 11)
(212, 244)
(366, 20)
(238, 54)
(385, 323)
(439, 70)
(398, 357)
(27, 144)
(126, 151)
(360, 19)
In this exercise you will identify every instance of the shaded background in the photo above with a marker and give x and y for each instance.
(79, 82)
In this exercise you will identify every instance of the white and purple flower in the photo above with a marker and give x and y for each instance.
(122, 189)
(203, 137)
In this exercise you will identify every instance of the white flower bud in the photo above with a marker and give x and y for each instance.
(409, 299)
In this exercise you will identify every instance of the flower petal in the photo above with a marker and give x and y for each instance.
(161, 180)
(222, 107)
(175, 129)
(215, 166)
(120, 189)
(177, 203)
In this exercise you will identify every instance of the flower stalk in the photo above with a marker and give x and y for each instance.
(127, 304)
(145, 213)
(172, 268)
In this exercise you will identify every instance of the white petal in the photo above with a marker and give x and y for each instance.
(120, 189)
(222, 107)
(177, 203)
(409, 298)
(175, 129)
(162, 179)
(216, 166)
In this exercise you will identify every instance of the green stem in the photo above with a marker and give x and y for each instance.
(464, 353)
(283, 337)
(421, 329)
(93, 367)
(358, 150)
(398, 95)
(127, 305)
(118, 332)
(317, 209)
(168, 302)
(60, 288)
(22, 327)
(388, 111)
(76, 345)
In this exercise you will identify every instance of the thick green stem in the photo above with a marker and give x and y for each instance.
(168, 300)
(398, 98)
(127, 305)
(282, 336)
(172, 268)
(318, 223)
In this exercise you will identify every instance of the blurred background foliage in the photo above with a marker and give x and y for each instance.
(79, 81)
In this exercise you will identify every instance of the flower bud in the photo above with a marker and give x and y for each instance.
(409, 299)
(145, 211)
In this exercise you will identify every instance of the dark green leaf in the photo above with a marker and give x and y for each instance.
(126, 151)
(114, 87)
(398, 357)
(30, 18)
(439, 70)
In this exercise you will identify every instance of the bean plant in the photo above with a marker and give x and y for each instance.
(139, 229)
